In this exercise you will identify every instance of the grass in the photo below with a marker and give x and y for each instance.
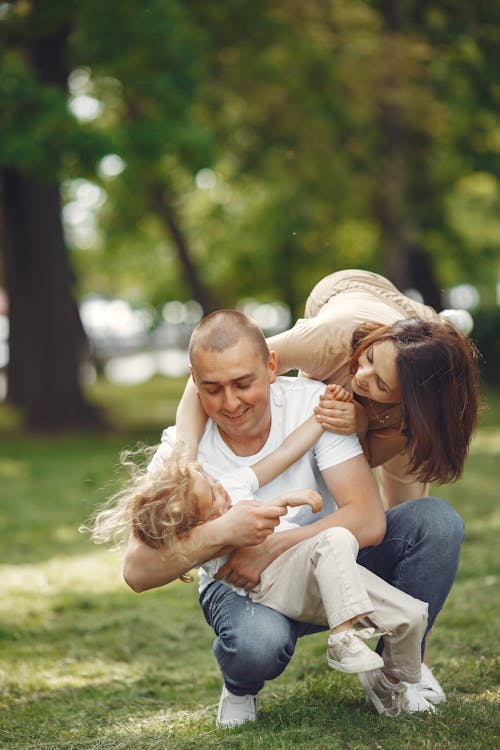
(85, 663)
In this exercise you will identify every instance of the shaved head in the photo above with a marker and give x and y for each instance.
(223, 329)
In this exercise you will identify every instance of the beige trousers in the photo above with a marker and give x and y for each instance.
(318, 581)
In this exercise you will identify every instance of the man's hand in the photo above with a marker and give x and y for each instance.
(248, 523)
(245, 565)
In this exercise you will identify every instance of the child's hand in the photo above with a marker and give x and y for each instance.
(335, 392)
(340, 413)
(300, 497)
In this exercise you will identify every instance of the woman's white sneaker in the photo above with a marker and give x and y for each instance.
(427, 689)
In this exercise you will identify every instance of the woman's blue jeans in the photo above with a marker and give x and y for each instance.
(419, 555)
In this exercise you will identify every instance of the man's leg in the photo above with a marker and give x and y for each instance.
(253, 643)
(420, 551)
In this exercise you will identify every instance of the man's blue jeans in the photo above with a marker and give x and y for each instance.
(419, 555)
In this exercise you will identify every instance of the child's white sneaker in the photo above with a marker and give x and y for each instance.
(348, 653)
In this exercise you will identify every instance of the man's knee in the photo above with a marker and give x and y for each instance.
(262, 650)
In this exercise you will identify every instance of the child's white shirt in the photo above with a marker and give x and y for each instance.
(240, 484)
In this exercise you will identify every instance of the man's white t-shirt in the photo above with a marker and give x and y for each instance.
(292, 402)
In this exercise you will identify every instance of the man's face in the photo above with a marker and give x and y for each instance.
(233, 387)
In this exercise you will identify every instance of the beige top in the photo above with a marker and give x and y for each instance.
(319, 345)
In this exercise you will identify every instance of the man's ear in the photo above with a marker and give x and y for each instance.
(193, 376)
(272, 366)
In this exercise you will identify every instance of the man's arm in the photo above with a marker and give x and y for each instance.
(360, 510)
(246, 524)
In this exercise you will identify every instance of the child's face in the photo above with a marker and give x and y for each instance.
(213, 499)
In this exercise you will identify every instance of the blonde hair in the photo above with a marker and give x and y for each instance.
(158, 506)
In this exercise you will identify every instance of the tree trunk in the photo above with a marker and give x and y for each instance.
(408, 265)
(44, 336)
(165, 211)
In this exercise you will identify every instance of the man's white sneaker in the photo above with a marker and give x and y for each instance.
(428, 688)
(388, 699)
(347, 652)
(235, 709)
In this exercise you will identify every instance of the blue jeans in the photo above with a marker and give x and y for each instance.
(419, 555)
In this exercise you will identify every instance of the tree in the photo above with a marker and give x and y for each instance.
(45, 332)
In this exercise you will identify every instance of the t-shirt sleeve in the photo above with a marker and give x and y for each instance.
(240, 484)
(163, 451)
(332, 449)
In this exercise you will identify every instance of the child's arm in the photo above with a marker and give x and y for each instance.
(190, 422)
(295, 498)
(294, 445)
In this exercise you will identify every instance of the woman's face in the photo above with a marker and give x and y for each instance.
(377, 377)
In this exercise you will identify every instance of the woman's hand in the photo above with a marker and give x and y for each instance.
(340, 413)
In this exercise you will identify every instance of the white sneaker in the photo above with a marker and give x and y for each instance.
(388, 699)
(428, 688)
(235, 709)
(416, 700)
(461, 319)
(347, 652)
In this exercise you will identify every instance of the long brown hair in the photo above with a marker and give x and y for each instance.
(439, 381)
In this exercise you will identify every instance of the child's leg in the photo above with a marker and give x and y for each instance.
(317, 581)
(405, 619)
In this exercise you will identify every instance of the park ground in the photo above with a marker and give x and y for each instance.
(87, 664)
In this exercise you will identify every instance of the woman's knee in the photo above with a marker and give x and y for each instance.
(440, 520)
(429, 518)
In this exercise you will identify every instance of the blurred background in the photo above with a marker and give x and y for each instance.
(160, 160)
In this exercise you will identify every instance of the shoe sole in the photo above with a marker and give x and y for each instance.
(363, 666)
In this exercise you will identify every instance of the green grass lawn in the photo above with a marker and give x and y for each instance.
(86, 663)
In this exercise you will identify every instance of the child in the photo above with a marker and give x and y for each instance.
(316, 581)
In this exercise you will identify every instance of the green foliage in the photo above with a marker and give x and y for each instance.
(339, 135)
(88, 665)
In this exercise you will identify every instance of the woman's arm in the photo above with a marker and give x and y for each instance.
(190, 422)
(347, 417)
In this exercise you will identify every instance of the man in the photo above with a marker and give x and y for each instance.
(415, 547)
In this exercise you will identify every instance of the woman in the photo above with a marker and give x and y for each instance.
(413, 374)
